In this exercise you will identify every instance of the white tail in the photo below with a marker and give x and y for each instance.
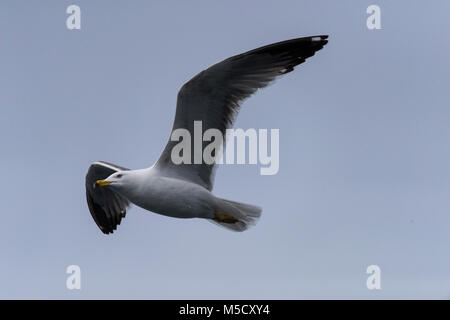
(235, 216)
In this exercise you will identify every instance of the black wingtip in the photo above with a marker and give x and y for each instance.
(106, 207)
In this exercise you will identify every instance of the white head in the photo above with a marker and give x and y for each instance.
(117, 180)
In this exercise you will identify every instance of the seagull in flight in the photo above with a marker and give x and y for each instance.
(185, 190)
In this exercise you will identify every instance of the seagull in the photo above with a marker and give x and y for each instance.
(184, 190)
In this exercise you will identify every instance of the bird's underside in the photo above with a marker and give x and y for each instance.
(213, 96)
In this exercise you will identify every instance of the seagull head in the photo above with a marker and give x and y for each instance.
(117, 179)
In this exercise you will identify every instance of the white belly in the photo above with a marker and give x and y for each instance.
(174, 198)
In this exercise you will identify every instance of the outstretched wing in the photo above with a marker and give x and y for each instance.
(106, 206)
(213, 96)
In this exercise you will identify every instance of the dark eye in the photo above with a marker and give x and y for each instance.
(119, 176)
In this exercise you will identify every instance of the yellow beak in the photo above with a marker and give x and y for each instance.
(102, 183)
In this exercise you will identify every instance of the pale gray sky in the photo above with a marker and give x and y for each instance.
(364, 150)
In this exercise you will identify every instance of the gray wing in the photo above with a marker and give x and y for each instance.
(106, 206)
(213, 96)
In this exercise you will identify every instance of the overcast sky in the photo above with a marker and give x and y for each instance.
(364, 150)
